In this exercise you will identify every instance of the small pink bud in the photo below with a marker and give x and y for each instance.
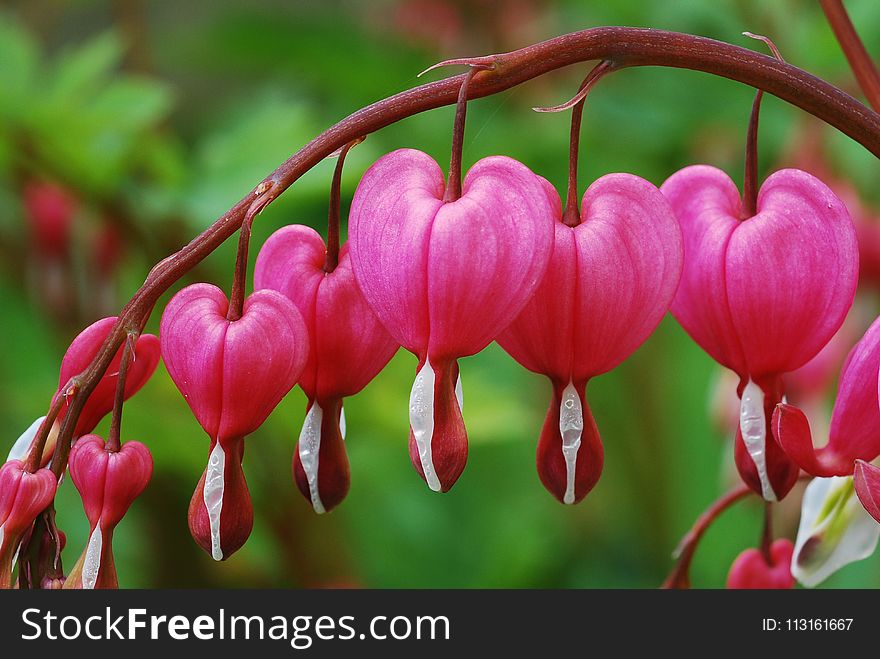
(23, 496)
(81, 352)
(750, 569)
(232, 374)
(108, 482)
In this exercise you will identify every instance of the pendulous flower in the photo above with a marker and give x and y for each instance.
(348, 346)
(447, 277)
(762, 294)
(751, 570)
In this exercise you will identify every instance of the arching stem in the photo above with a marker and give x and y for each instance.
(35, 452)
(859, 60)
(332, 258)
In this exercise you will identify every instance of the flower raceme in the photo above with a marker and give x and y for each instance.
(232, 374)
(446, 278)
(610, 281)
(348, 346)
(108, 481)
(23, 496)
(762, 294)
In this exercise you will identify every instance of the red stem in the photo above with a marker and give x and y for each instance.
(680, 575)
(859, 60)
(623, 46)
(332, 258)
(453, 187)
(571, 216)
(750, 179)
(767, 534)
(114, 442)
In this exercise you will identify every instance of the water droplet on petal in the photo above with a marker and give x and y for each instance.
(421, 420)
(753, 427)
(309, 453)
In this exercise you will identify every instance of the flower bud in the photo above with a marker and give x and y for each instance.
(750, 569)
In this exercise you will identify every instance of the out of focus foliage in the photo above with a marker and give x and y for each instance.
(157, 117)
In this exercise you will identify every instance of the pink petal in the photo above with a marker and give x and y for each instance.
(867, 483)
(88, 470)
(707, 205)
(389, 227)
(488, 252)
(128, 472)
(791, 272)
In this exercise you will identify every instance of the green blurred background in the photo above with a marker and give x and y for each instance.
(156, 117)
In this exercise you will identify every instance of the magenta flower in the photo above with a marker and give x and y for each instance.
(611, 279)
(762, 295)
(232, 374)
(866, 480)
(23, 496)
(445, 278)
(855, 421)
(108, 482)
(751, 569)
(81, 352)
(348, 347)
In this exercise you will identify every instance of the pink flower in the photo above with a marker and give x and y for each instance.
(108, 482)
(762, 295)
(83, 350)
(867, 484)
(751, 570)
(855, 421)
(348, 346)
(232, 374)
(23, 496)
(445, 278)
(610, 281)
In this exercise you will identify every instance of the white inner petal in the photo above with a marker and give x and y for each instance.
(92, 562)
(845, 535)
(421, 420)
(571, 428)
(753, 426)
(309, 450)
(342, 422)
(459, 393)
(22, 444)
(215, 484)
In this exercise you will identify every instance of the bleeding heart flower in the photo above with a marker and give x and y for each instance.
(100, 403)
(762, 295)
(611, 279)
(23, 496)
(232, 374)
(445, 278)
(49, 210)
(867, 485)
(108, 482)
(855, 422)
(751, 570)
(348, 348)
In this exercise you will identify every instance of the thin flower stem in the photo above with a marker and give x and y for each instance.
(38, 444)
(767, 534)
(114, 442)
(860, 61)
(453, 187)
(332, 258)
(571, 216)
(680, 575)
(626, 47)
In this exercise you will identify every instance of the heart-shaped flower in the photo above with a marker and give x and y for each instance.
(610, 281)
(232, 374)
(108, 482)
(348, 347)
(23, 496)
(445, 278)
(762, 294)
(751, 570)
